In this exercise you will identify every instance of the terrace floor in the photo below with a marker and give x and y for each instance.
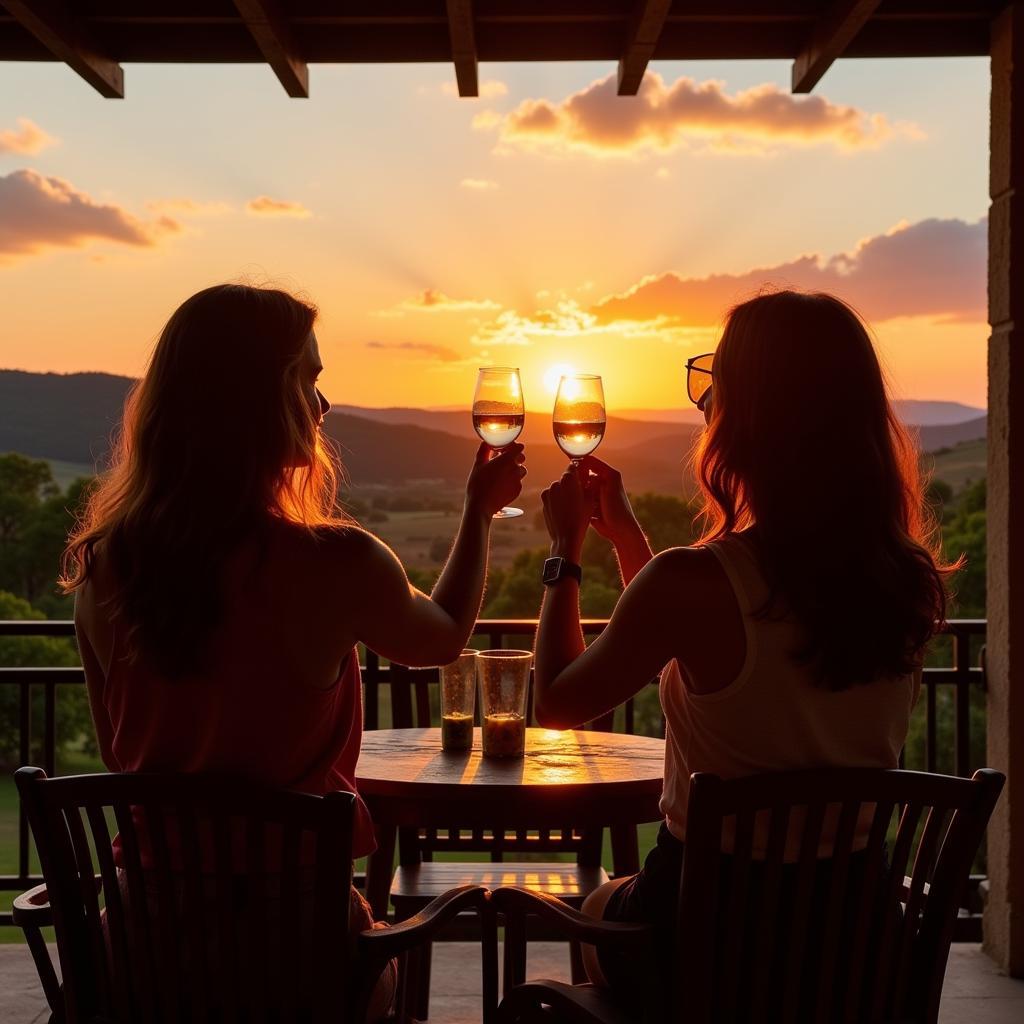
(975, 992)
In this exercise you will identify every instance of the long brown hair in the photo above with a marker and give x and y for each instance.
(804, 445)
(217, 441)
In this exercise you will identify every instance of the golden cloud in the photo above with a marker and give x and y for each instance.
(26, 140)
(430, 300)
(440, 352)
(478, 184)
(665, 117)
(39, 213)
(264, 206)
(933, 268)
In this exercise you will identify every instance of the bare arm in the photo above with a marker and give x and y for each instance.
(400, 622)
(95, 678)
(573, 685)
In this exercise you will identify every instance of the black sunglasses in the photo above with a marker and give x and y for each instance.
(699, 377)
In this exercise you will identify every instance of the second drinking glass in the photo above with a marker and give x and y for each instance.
(579, 418)
(504, 678)
(499, 413)
(458, 698)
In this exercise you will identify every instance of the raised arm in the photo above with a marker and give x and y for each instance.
(574, 684)
(402, 623)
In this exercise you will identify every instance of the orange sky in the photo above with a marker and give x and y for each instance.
(548, 222)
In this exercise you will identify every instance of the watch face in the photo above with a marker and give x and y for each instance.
(552, 570)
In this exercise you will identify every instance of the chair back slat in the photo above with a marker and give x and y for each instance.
(113, 909)
(168, 946)
(794, 968)
(811, 922)
(226, 921)
(139, 923)
(924, 859)
(766, 932)
(867, 909)
(892, 922)
(228, 902)
(834, 921)
(732, 939)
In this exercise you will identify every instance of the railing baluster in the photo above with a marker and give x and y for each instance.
(25, 753)
(962, 663)
(930, 728)
(50, 729)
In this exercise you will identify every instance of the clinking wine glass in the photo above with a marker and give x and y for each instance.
(579, 417)
(499, 413)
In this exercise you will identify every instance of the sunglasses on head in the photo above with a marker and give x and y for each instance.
(699, 378)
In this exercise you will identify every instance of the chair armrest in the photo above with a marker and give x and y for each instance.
(570, 1004)
(385, 943)
(571, 923)
(32, 909)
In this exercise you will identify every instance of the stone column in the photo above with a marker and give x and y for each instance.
(1004, 914)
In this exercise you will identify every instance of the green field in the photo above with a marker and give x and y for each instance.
(960, 465)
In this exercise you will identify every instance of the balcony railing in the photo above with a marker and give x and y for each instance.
(409, 703)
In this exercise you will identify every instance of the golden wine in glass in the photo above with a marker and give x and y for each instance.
(579, 417)
(499, 413)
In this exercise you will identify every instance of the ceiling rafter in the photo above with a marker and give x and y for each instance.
(460, 29)
(269, 28)
(830, 37)
(69, 41)
(645, 27)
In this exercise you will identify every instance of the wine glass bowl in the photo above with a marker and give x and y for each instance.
(578, 421)
(499, 413)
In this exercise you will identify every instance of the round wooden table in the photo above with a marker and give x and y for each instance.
(572, 778)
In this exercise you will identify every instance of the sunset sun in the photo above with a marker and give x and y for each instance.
(554, 374)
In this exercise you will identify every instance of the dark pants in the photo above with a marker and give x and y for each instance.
(652, 896)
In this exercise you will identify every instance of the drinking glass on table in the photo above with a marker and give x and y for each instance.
(579, 417)
(504, 678)
(499, 413)
(458, 700)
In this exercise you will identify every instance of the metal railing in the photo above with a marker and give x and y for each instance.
(964, 675)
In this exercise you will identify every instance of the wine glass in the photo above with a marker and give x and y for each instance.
(499, 413)
(579, 417)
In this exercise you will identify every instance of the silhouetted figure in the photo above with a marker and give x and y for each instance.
(221, 591)
(792, 635)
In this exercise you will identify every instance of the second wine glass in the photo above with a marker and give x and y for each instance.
(499, 413)
(579, 417)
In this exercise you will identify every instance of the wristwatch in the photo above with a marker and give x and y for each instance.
(558, 568)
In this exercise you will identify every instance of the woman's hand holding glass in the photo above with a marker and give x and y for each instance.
(495, 482)
(567, 512)
(612, 515)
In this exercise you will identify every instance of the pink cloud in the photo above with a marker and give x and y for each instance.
(666, 116)
(267, 207)
(26, 140)
(39, 213)
(932, 268)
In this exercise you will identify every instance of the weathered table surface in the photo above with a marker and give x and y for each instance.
(572, 778)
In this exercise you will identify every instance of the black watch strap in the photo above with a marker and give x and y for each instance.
(558, 568)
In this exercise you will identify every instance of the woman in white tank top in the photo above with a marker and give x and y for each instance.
(814, 517)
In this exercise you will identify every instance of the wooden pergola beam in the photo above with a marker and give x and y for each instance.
(66, 38)
(832, 34)
(645, 27)
(460, 30)
(264, 20)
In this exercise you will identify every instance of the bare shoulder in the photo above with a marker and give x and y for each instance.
(695, 579)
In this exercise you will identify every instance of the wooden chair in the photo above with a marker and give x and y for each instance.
(177, 932)
(832, 940)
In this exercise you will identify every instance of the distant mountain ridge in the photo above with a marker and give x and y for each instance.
(71, 417)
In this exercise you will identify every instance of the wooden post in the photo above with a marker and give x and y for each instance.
(1004, 913)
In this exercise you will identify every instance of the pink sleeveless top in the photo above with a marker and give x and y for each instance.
(773, 717)
(263, 727)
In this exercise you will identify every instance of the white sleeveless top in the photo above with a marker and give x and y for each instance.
(773, 717)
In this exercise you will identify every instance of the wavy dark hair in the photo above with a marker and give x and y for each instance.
(218, 439)
(803, 444)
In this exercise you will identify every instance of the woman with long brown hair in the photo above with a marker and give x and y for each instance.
(220, 591)
(792, 635)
